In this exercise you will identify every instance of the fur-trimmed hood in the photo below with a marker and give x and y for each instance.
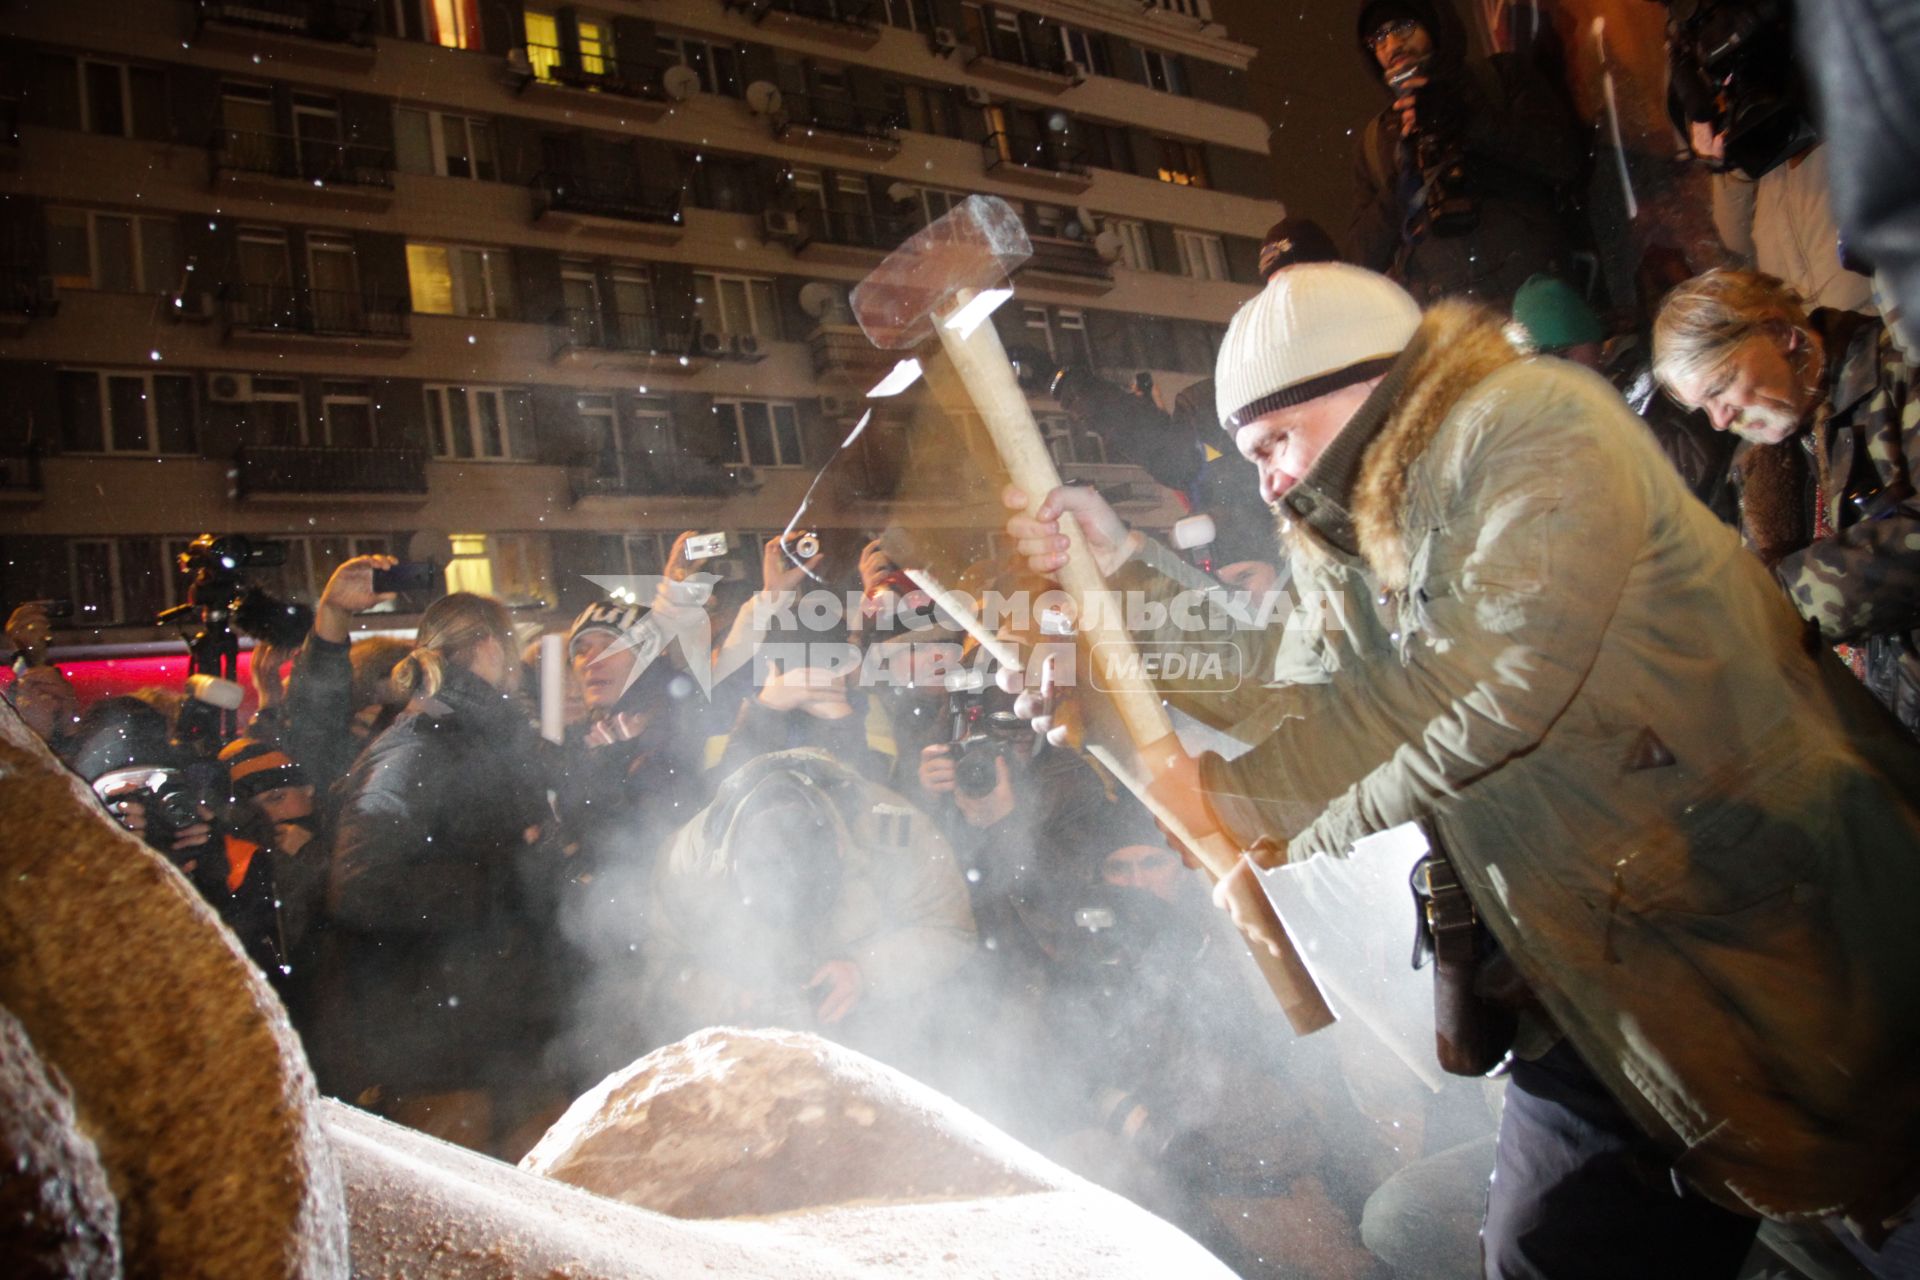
(1457, 346)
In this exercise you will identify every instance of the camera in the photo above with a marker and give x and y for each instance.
(1731, 65)
(229, 553)
(981, 732)
(222, 601)
(408, 575)
(167, 795)
(706, 546)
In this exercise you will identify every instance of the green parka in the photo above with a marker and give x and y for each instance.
(1689, 826)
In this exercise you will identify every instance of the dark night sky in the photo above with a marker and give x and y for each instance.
(1308, 82)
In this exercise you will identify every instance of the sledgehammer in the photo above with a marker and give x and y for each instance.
(945, 282)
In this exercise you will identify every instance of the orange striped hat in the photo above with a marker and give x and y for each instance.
(255, 766)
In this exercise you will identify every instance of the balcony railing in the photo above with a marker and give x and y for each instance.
(341, 21)
(1035, 151)
(860, 229)
(26, 292)
(319, 313)
(1008, 47)
(655, 474)
(594, 73)
(604, 198)
(861, 15)
(20, 474)
(281, 469)
(314, 160)
(834, 114)
(1056, 256)
(585, 329)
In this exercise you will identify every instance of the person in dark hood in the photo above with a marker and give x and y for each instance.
(442, 887)
(1459, 180)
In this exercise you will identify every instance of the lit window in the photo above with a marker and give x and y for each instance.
(1182, 163)
(469, 569)
(454, 24)
(593, 46)
(543, 44)
(459, 280)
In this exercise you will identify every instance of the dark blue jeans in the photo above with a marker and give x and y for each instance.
(1580, 1192)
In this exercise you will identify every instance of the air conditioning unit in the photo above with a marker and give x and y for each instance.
(977, 96)
(712, 344)
(838, 406)
(780, 224)
(944, 40)
(747, 478)
(230, 388)
(519, 67)
(746, 345)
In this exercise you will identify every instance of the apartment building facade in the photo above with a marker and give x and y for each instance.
(528, 288)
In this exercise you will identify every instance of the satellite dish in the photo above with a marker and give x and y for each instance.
(819, 299)
(1108, 245)
(1073, 230)
(903, 193)
(763, 97)
(680, 82)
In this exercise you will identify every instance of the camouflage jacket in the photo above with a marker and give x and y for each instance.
(1861, 584)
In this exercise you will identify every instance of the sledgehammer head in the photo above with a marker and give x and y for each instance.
(974, 247)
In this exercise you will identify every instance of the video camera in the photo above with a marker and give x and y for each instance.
(1731, 66)
(218, 563)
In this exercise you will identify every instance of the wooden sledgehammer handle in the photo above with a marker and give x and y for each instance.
(982, 365)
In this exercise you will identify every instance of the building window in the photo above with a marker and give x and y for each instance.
(1191, 8)
(452, 24)
(936, 204)
(511, 566)
(735, 304)
(450, 146)
(279, 412)
(926, 109)
(1086, 49)
(106, 411)
(1070, 342)
(93, 249)
(1163, 71)
(908, 15)
(468, 422)
(543, 44)
(1039, 332)
(1136, 249)
(1203, 256)
(717, 65)
(764, 434)
(459, 280)
(1182, 163)
(347, 415)
(119, 101)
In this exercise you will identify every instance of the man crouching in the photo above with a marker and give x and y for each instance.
(1686, 832)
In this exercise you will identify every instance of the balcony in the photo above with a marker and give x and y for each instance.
(9, 133)
(578, 204)
(591, 339)
(314, 33)
(656, 474)
(20, 482)
(1006, 60)
(278, 166)
(848, 238)
(293, 473)
(630, 87)
(1036, 161)
(1067, 266)
(274, 316)
(843, 356)
(829, 122)
(26, 295)
(852, 24)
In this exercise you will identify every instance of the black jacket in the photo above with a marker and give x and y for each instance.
(1522, 148)
(440, 905)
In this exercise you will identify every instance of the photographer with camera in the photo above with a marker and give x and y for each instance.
(443, 886)
(1461, 179)
(1736, 93)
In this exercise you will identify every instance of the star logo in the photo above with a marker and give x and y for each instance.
(676, 615)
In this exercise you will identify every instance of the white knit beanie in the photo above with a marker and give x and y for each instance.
(1315, 328)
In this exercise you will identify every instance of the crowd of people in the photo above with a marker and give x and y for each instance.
(1613, 594)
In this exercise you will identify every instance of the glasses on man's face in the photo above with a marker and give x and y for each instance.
(1398, 29)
